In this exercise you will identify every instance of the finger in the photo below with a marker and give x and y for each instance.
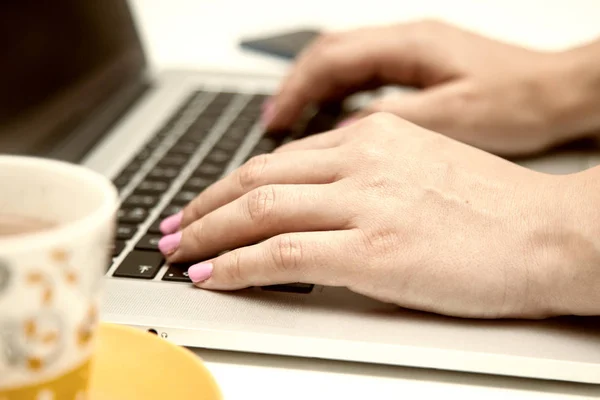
(340, 63)
(302, 167)
(262, 213)
(322, 258)
(439, 109)
(323, 140)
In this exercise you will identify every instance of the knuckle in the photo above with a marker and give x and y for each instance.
(287, 252)
(233, 271)
(260, 203)
(250, 174)
(196, 230)
(378, 182)
(382, 119)
(428, 26)
(381, 241)
(329, 38)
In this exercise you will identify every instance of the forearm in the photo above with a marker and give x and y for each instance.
(573, 248)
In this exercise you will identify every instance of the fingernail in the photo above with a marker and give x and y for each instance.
(346, 122)
(200, 272)
(171, 224)
(268, 112)
(168, 244)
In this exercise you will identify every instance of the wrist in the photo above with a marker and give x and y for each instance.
(576, 89)
(569, 273)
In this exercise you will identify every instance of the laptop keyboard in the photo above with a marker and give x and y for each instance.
(210, 133)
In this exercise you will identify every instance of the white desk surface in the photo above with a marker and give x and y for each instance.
(205, 33)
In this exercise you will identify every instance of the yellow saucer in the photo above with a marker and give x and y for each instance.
(131, 364)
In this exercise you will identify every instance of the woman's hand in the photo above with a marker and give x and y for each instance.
(387, 209)
(498, 97)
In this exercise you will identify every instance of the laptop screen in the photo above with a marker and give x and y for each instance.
(63, 64)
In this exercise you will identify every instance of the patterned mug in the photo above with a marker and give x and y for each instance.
(51, 278)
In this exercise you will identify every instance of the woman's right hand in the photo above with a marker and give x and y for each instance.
(501, 98)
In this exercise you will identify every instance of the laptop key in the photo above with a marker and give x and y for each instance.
(185, 148)
(122, 180)
(184, 197)
(177, 273)
(155, 227)
(197, 183)
(135, 215)
(141, 200)
(170, 210)
(152, 187)
(142, 156)
(303, 288)
(125, 232)
(163, 174)
(140, 264)
(218, 157)
(209, 170)
(174, 160)
(228, 144)
(148, 242)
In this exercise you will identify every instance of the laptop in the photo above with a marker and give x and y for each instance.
(75, 85)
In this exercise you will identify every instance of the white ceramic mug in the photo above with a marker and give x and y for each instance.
(50, 280)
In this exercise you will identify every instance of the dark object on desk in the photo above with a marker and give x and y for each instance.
(285, 45)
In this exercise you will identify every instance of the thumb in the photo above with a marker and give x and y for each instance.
(438, 109)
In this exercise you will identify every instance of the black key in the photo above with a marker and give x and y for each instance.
(185, 148)
(257, 101)
(209, 170)
(170, 210)
(140, 264)
(267, 144)
(254, 153)
(117, 247)
(142, 156)
(184, 197)
(155, 227)
(148, 242)
(134, 215)
(222, 99)
(236, 132)
(197, 183)
(202, 123)
(229, 145)
(174, 160)
(141, 200)
(163, 174)
(132, 168)
(303, 288)
(154, 143)
(196, 133)
(122, 180)
(218, 157)
(125, 232)
(152, 187)
(177, 273)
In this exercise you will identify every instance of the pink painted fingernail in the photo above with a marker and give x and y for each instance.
(168, 244)
(346, 122)
(268, 112)
(200, 272)
(171, 224)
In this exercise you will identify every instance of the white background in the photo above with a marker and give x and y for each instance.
(205, 33)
